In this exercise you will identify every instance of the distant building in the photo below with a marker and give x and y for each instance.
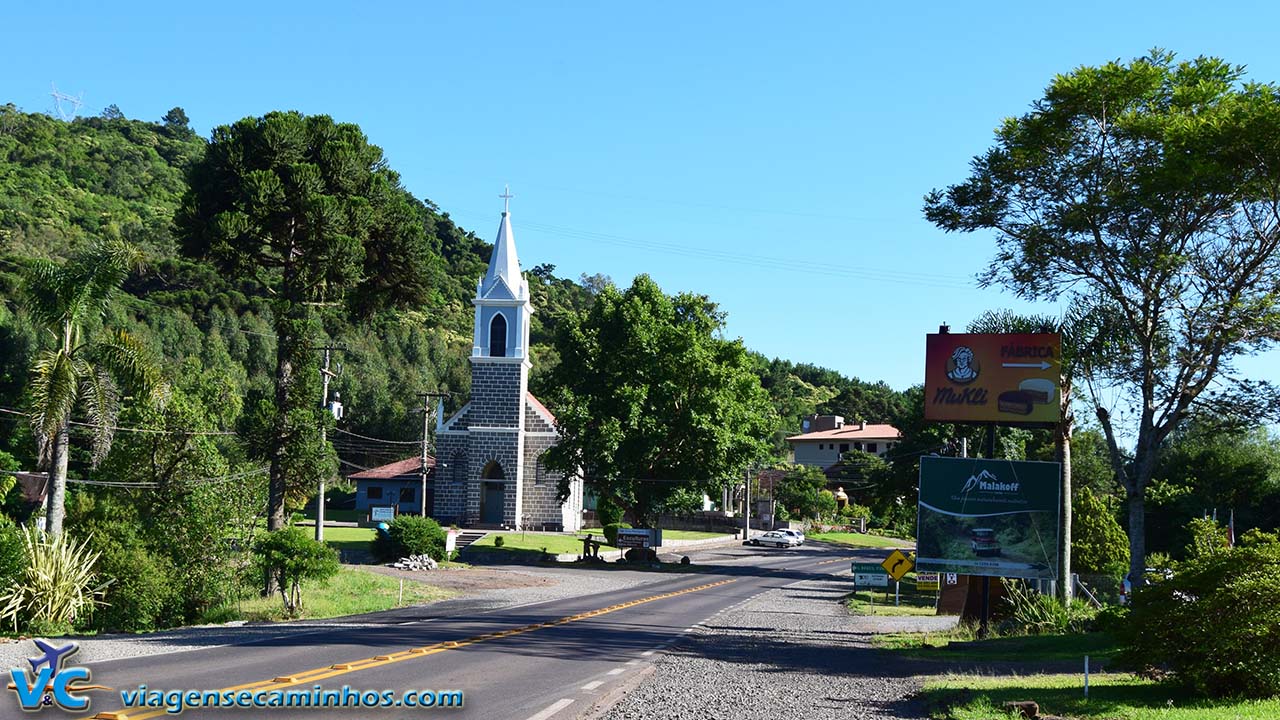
(827, 437)
(398, 483)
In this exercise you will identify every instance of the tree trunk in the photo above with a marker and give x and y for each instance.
(1065, 581)
(55, 502)
(279, 437)
(1137, 533)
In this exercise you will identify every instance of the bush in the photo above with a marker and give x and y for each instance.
(607, 512)
(499, 541)
(57, 587)
(410, 535)
(611, 532)
(1031, 613)
(289, 556)
(12, 559)
(141, 595)
(1215, 623)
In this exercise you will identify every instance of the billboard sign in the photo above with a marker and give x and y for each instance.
(1011, 379)
(997, 518)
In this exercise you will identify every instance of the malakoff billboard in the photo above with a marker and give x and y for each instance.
(989, 517)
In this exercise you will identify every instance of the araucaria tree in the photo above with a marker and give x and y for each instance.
(1150, 191)
(651, 399)
(307, 209)
(81, 368)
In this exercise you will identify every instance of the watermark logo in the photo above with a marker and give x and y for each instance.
(50, 680)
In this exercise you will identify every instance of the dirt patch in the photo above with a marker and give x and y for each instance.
(466, 580)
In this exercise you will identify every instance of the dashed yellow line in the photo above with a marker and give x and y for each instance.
(342, 668)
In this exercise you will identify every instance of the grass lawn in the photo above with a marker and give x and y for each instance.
(1113, 696)
(673, 534)
(534, 542)
(960, 643)
(351, 592)
(860, 540)
(877, 602)
(348, 538)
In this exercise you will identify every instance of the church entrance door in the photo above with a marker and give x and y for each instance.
(491, 500)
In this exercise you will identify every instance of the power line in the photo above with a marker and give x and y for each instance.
(11, 411)
(124, 484)
(378, 440)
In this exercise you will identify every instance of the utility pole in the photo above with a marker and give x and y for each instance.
(326, 375)
(427, 445)
(746, 506)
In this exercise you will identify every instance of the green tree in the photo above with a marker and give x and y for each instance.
(651, 399)
(798, 491)
(1149, 189)
(308, 209)
(289, 556)
(1100, 547)
(82, 368)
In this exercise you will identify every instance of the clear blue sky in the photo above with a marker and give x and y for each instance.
(772, 156)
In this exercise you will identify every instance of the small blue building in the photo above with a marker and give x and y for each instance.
(398, 483)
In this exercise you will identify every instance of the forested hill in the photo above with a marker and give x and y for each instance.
(64, 183)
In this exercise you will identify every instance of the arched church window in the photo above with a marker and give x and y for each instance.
(492, 471)
(498, 336)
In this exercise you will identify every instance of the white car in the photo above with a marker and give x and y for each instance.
(799, 536)
(775, 538)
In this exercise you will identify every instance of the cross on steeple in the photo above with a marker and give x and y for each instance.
(506, 199)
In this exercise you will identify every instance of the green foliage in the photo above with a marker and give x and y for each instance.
(798, 491)
(611, 532)
(854, 511)
(1098, 543)
(80, 371)
(1208, 465)
(1207, 538)
(289, 556)
(648, 391)
(1215, 623)
(410, 535)
(57, 588)
(1122, 191)
(141, 594)
(825, 504)
(12, 558)
(499, 541)
(1031, 613)
(608, 512)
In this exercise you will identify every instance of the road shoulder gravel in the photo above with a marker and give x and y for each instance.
(791, 652)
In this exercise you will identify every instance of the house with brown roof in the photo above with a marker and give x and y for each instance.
(398, 483)
(827, 437)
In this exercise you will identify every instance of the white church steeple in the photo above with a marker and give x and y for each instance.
(502, 298)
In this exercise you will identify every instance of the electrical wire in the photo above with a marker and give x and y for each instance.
(11, 411)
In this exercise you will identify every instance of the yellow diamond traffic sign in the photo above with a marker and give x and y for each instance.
(897, 565)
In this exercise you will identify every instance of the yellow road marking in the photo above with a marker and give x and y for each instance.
(336, 669)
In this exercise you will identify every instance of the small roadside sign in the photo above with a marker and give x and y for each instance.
(927, 581)
(952, 579)
(897, 564)
(866, 575)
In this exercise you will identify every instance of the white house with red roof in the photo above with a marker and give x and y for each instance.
(827, 437)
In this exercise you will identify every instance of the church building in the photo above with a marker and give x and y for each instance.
(489, 469)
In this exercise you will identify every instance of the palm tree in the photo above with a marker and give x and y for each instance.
(79, 370)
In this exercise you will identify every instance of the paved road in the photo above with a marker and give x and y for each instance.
(539, 661)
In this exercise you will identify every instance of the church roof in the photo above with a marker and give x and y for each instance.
(503, 275)
(537, 405)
